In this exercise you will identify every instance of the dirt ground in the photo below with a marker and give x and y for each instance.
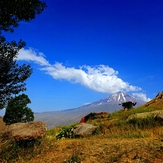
(102, 150)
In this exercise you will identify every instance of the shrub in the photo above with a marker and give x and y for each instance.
(66, 132)
(90, 116)
(17, 110)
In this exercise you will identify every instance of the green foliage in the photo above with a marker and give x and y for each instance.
(17, 110)
(13, 76)
(89, 116)
(128, 104)
(66, 132)
(14, 11)
(51, 132)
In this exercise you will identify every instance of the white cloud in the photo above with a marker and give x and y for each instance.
(100, 78)
(141, 96)
(31, 55)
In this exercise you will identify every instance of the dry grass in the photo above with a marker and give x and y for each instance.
(102, 150)
(99, 148)
(2, 124)
(116, 142)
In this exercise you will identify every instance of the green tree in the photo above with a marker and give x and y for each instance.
(128, 104)
(14, 11)
(17, 110)
(13, 76)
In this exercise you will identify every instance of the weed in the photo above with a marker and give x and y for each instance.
(66, 132)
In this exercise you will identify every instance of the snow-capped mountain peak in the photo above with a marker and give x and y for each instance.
(117, 98)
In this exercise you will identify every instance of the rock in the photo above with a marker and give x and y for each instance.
(159, 95)
(2, 124)
(159, 117)
(145, 114)
(23, 131)
(100, 115)
(84, 129)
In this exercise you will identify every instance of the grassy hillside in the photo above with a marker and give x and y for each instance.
(118, 140)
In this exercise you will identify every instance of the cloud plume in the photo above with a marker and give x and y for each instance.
(100, 78)
(141, 96)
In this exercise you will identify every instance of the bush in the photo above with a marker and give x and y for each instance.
(66, 132)
(89, 116)
(17, 110)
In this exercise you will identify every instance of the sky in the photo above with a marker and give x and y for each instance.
(84, 50)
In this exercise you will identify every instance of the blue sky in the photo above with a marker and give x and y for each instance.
(85, 50)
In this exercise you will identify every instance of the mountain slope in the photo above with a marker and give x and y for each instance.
(65, 117)
(156, 102)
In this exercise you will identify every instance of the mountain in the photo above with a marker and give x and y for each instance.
(65, 117)
(117, 98)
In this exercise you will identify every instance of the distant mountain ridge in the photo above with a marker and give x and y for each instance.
(65, 117)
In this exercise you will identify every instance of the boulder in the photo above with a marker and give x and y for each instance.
(159, 95)
(23, 131)
(145, 114)
(83, 129)
(159, 117)
(100, 115)
(2, 124)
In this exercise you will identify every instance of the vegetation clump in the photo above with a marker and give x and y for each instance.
(13, 76)
(66, 132)
(128, 105)
(17, 110)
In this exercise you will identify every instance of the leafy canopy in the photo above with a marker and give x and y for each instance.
(14, 11)
(13, 76)
(17, 110)
(128, 104)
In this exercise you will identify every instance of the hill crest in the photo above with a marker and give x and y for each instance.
(156, 102)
